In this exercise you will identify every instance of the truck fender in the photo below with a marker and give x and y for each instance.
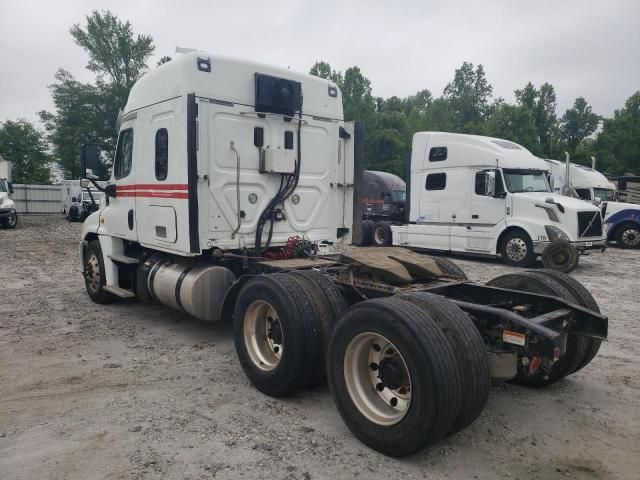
(229, 302)
(508, 228)
(628, 215)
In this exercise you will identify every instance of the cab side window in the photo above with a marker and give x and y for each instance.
(124, 154)
(162, 154)
(583, 193)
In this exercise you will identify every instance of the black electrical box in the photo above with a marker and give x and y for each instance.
(278, 95)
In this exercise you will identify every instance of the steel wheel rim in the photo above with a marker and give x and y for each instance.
(384, 405)
(263, 335)
(379, 235)
(516, 249)
(93, 272)
(631, 237)
(12, 220)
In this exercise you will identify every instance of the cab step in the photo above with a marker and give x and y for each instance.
(123, 259)
(119, 292)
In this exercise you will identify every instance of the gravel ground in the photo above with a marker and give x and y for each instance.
(136, 391)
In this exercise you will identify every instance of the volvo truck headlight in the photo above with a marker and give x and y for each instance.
(555, 234)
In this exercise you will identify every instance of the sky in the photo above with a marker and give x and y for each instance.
(583, 48)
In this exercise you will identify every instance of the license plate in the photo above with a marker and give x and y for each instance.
(588, 244)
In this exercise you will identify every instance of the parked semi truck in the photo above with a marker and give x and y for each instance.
(487, 196)
(8, 213)
(383, 198)
(621, 220)
(224, 181)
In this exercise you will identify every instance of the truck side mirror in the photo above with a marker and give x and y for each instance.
(74, 199)
(110, 190)
(597, 201)
(84, 183)
(490, 184)
(10, 185)
(88, 158)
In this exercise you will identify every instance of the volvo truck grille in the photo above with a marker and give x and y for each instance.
(589, 224)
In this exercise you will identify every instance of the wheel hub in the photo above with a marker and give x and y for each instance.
(263, 335)
(377, 379)
(631, 237)
(392, 373)
(516, 249)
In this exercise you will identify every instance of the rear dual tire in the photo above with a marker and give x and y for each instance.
(282, 323)
(397, 373)
(580, 350)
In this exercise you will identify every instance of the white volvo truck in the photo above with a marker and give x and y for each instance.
(228, 176)
(480, 195)
(8, 213)
(621, 220)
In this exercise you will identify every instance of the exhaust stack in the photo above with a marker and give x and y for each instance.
(566, 189)
(593, 162)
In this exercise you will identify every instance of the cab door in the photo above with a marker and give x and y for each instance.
(119, 218)
(488, 213)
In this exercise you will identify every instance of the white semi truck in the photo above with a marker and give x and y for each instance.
(487, 196)
(225, 183)
(8, 213)
(621, 220)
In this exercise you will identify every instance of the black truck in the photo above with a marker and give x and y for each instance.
(384, 196)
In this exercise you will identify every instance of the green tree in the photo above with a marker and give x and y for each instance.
(114, 51)
(21, 143)
(469, 94)
(87, 113)
(578, 123)
(324, 70)
(515, 123)
(617, 146)
(542, 105)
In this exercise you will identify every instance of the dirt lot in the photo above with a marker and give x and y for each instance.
(140, 391)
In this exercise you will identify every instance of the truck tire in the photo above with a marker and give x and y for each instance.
(584, 299)
(560, 256)
(327, 308)
(469, 350)
(516, 249)
(73, 213)
(276, 333)
(449, 268)
(577, 345)
(367, 232)
(627, 235)
(94, 278)
(11, 221)
(393, 376)
(382, 236)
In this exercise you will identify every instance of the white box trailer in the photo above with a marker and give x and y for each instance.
(226, 182)
(487, 196)
(78, 203)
